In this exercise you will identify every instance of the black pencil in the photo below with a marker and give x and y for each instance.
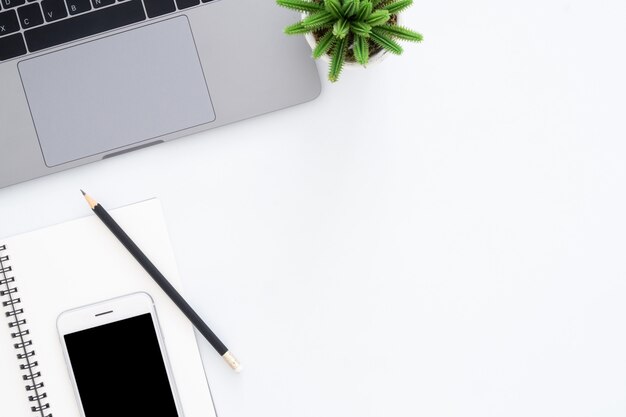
(162, 282)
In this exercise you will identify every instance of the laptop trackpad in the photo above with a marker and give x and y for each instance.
(116, 91)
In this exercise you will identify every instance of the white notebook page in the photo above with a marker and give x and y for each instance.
(80, 262)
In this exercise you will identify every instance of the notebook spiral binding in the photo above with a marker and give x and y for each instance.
(17, 323)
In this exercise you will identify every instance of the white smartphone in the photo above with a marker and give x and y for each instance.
(117, 359)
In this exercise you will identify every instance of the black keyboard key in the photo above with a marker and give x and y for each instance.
(183, 4)
(12, 46)
(8, 22)
(53, 10)
(30, 16)
(78, 6)
(206, 1)
(156, 8)
(7, 4)
(101, 3)
(85, 25)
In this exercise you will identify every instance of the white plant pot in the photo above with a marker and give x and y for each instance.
(374, 59)
(377, 58)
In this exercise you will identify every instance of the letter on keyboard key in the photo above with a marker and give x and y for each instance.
(156, 8)
(53, 10)
(8, 22)
(84, 25)
(11, 46)
(7, 4)
(101, 3)
(30, 15)
(78, 6)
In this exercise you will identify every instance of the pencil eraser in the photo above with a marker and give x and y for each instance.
(232, 362)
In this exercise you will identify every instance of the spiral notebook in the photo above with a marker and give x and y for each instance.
(48, 271)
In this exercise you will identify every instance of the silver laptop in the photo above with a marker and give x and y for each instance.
(83, 80)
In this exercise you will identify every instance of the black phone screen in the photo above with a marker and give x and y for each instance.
(119, 370)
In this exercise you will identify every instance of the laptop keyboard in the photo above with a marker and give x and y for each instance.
(31, 26)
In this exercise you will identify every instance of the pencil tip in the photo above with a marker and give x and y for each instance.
(92, 203)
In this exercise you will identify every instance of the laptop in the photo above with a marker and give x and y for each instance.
(83, 80)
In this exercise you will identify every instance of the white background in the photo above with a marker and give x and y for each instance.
(439, 235)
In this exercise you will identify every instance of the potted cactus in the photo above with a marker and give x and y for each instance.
(350, 32)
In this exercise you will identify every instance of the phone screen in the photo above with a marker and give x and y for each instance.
(119, 370)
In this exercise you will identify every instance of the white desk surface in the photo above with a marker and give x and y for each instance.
(442, 235)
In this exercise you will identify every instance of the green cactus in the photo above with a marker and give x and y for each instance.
(350, 29)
